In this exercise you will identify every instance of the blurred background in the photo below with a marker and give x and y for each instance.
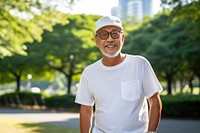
(46, 44)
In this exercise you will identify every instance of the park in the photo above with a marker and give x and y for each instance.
(42, 56)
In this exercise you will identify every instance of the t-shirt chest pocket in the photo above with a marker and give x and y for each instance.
(130, 90)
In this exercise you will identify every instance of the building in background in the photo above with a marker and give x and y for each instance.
(147, 7)
(133, 9)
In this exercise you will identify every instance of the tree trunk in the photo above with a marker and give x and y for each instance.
(169, 82)
(191, 85)
(69, 83)
(181, 85)
(71, 73)
(199, 85)
(18, 82)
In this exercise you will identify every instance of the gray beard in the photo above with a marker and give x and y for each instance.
(111, 55)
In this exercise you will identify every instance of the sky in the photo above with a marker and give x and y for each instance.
(103, 7)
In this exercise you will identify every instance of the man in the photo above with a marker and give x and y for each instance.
(119, 86)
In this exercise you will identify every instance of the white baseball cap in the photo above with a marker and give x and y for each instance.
(108, 21)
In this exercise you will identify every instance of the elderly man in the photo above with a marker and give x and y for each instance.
(120, 85)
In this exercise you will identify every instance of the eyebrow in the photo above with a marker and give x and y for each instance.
(109, 31)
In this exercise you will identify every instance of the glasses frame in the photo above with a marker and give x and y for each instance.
(109, 33)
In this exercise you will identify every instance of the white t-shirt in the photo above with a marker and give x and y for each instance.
(119, 93)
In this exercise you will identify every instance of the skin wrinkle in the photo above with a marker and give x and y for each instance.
(108, 42)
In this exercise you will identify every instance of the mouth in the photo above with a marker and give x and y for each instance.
(112, 45)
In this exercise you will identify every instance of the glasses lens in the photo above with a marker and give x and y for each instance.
(104, 34)
(115, 34)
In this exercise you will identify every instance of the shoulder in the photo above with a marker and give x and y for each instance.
(92, 68)
(137, 58)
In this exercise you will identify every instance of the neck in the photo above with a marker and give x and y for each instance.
(113, 61)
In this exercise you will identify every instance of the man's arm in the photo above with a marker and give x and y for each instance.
(86, 113)
(155, 109)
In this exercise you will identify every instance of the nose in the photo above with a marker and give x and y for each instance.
(109, 38)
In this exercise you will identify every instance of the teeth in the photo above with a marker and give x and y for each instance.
(110, 46)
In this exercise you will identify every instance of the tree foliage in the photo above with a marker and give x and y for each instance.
(15, 68)
(68, 49)
(170, 41)
(176, 3)
(24, 21)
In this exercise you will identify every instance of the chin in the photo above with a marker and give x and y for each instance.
(111, 55)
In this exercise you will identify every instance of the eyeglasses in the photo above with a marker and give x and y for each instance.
(105, 34)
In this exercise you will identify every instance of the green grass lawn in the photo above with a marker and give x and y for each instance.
(10, 125)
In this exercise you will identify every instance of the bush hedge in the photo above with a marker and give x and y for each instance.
(39, 99)
(181, 106)
(64, 101)
(22, 98)
(174, 106)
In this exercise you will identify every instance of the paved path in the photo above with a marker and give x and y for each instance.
(46, 117)
(72, 120)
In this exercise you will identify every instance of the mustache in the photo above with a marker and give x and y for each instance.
(109, 43)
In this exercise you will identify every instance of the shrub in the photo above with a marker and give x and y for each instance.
(181, 106)
(64, 101)
(22, 98)
(174, 106)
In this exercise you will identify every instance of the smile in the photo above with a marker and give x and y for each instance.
(110, 46)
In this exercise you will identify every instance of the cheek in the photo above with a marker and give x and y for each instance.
(99, 43)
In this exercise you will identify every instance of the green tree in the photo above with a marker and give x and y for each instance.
(172, 40)
(167, 51)
(12, 69)
(189, 12)
(24, 21)
(155, 41)
(70, 48)
(175, 3)
(17, 67)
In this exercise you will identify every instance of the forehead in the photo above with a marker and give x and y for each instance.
(109, 28)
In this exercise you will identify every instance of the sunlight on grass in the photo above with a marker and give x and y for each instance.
(196, 91)
(9, 125)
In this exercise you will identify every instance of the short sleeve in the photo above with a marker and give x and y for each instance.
(150, 83)
(83, 95)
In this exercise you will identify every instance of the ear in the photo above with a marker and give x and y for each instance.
(123, 36)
